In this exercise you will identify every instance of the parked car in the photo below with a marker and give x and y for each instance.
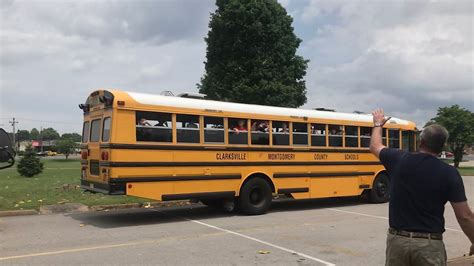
(42, 153)
(52, 153)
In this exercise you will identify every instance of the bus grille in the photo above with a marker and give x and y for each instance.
(94, 167)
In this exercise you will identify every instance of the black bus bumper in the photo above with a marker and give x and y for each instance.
(108, 189)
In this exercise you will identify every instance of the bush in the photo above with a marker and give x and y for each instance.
(29, 164)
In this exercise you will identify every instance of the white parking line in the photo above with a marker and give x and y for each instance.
(78, 250)
(255, 239)
(380, 217)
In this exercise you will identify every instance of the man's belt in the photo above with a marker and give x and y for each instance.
(435, 236)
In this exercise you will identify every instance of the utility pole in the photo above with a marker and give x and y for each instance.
(13, 122)
(41, 137)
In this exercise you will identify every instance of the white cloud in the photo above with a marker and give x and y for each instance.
(409, 57)
(53, 54)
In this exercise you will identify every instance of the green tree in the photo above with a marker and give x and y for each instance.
(30, 165)
(66, 146)
(34, 134)
(72, 136)
(460, 124)
(22, 135)
(49, 134)
(251, 55)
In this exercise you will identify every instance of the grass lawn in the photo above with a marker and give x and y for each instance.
(466, 170)
(59, 183)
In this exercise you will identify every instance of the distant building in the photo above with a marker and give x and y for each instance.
(47, 145)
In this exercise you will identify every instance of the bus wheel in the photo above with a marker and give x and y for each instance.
(255, 197)
(380, 191)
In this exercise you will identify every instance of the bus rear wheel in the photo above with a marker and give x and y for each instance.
(380, 191)
(255, 197)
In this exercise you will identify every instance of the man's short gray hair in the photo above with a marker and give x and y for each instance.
(434, 137)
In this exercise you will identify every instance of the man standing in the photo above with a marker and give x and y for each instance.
(420, 187)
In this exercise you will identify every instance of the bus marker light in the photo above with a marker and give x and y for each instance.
(104, 156)
(121, 103)
(130, 186)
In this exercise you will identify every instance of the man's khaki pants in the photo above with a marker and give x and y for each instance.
(414, 251)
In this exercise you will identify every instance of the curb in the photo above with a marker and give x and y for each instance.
(96, 208)
(147, 205)
(18, 213)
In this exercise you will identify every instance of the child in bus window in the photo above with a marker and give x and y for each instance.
(261, 126)
(240, 126)
(144, 122)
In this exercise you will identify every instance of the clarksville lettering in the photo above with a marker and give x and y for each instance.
(235, 156)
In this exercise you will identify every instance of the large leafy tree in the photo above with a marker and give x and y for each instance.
(72, 136)
(460, 124)
(66, 146)
(49, 134)
(34, 134)
(251, 55)
(22, 135)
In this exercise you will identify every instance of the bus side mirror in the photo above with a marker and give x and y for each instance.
(7, 154)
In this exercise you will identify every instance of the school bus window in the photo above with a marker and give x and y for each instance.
(187, 128)
(260, 134)
(365, 133)
(154, 126)
(238, 132)
(95, 130)
(335, 136)
(300, 134)
(408, 140)
(85, 132)
(213, 129)
(280, 133)
(384, 136)
(318, 135)
(351, 136)
(106, 129)
(394, 138)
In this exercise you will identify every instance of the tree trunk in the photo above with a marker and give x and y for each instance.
(67, 155)
(458, 150)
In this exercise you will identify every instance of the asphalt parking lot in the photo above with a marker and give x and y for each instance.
(316, 232)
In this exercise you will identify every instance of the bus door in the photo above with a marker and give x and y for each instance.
(93, 149)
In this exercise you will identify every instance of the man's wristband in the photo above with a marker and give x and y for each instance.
(378, 124)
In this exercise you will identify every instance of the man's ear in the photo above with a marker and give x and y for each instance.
(421, 144)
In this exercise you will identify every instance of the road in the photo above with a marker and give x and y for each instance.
(315, 232)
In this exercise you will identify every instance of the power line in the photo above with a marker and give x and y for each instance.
(46, 121)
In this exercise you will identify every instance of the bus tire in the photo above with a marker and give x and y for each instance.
(380, 191)
(255, 197)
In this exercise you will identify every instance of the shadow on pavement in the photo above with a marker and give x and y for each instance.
(138, 217)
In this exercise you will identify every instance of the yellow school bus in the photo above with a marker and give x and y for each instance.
(173, 148)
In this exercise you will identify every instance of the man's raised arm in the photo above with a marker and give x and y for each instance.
(376, 144)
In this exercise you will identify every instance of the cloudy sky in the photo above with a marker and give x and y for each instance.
(409, 57)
